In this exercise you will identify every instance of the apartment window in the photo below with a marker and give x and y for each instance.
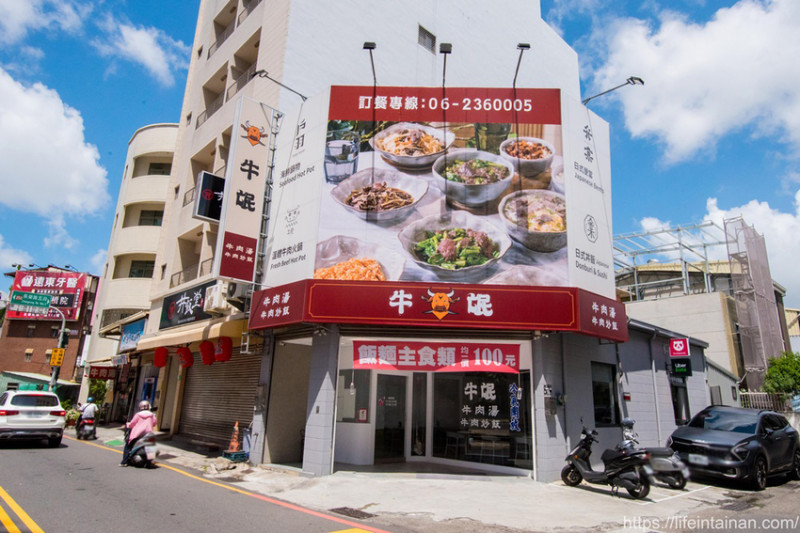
(28, 355)
(427, 40)
(54, 332)
(604, 394)
(159, 169)
(150, 218)
(31, 330)
(47, 355)
(141, 269)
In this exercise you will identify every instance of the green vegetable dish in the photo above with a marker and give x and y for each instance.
(475, 172)
(456, 248)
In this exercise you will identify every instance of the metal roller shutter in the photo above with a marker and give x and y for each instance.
(215, 396)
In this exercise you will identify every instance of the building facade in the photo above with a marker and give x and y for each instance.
(125, 284)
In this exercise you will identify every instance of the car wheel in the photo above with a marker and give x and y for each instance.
(570, 476)
(759, 476)
(796, 465)
(54, 442)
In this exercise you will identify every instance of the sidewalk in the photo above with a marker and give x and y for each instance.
(496, 502)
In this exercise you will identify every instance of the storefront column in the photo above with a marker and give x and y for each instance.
(259, 432)
(318, 448)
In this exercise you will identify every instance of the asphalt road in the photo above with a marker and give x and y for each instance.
(80, 487)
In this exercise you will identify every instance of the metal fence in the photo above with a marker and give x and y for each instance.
(780, 402)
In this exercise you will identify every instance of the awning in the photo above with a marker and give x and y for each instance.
(115, 328)
(194, 333)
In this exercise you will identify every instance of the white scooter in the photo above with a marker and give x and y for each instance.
(665, 464)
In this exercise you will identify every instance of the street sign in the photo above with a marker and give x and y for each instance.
(30, 299)
(57, 357)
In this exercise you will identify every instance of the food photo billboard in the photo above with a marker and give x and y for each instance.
(462, 185)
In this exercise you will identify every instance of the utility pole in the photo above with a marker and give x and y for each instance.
(62, 343)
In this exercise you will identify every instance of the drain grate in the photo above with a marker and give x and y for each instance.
(352, 513)
(741, 505)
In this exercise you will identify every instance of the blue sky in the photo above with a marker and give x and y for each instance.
(713, 133)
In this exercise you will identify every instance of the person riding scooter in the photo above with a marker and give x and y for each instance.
(88, 413)
(142, 423)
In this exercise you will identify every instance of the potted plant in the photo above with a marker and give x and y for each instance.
(72, 416)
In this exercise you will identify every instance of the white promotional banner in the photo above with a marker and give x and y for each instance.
(587, 181)
(296, 193)
(243, 199)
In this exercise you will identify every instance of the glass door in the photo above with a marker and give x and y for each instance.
(390, 415)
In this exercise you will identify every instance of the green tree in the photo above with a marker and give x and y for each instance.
(783, 373)
(97, 390)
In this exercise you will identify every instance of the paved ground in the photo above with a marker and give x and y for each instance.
(459, 502)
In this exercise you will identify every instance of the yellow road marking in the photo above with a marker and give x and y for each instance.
(254, 495)
(33, 526)
(9, 524)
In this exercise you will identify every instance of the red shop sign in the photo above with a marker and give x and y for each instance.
(436, 356)
(102, 372)
(436, 305)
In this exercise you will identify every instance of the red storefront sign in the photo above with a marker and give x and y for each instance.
(66, 291)
(437, 305)
(436, 356)
(102, 372)
(679, 347)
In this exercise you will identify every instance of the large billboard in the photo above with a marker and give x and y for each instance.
(462, 185)
(66, 291)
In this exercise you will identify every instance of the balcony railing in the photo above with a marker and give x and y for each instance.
(247, 10)
(191, 273)
(221, 39)
(240, 82)
(212, 108)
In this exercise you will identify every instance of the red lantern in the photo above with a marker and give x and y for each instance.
(185, 357)
(224, 349)
(207, 352)
(160, 357)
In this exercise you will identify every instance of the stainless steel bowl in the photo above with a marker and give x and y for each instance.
(538, 241)
(416, 187)
(471, 195)
(417, 231)
(417, 162)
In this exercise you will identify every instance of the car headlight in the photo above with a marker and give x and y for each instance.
(740, 451)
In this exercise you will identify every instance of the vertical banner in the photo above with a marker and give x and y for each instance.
(587, 180)
(243, 198)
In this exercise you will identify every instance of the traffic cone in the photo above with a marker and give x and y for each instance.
(234, 446)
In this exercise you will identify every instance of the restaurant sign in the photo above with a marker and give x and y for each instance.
(436, 356)
(184, 307)
(453, 306)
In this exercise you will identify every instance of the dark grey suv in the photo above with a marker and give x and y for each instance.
(735, 443)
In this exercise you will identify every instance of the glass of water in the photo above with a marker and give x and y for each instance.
(341, 158)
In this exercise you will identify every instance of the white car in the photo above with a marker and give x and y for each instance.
(32, 415)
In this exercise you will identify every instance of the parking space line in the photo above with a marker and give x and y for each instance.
(9, 524)
(33, 526)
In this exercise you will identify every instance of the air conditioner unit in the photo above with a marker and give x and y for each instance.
(237, 292)
(215, 302)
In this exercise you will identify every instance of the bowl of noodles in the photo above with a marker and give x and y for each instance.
(411, 146)
(379, 194)
(472, 177)
(536, 218)
(346, 258)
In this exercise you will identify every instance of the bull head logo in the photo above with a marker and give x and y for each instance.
(253, 134)
(440, 303)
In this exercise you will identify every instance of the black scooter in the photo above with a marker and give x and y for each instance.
(666, 465)
(623, 468)
(144, 451)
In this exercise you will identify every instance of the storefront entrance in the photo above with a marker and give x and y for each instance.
(390, 414)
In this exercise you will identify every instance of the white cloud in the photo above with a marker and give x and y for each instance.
(18, 17)
(48, 167)
(149, 47)
(730, 75)
(98, 262)
(9, 256)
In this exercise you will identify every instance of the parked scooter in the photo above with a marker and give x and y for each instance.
(622, 468)
(144, 451)
(665, 464)
(86, 428)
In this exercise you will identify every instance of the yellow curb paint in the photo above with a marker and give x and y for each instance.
(33, 526)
